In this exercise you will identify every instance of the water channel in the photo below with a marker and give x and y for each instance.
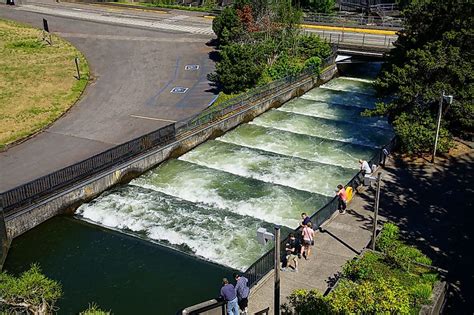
(166, 238)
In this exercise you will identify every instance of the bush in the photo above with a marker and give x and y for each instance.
(387, 237)
(369, 297)
(361, 269)
(417, 132)
(307, 302)
(421, 293)
(404, 257)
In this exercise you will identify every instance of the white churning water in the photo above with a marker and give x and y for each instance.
(211, 200)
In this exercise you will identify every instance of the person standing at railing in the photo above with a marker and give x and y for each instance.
(229, 295)
(305, 218)
(308, 240)
(364, 167)
(242, 290)
(341, 199)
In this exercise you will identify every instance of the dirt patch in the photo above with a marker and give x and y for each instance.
(37, 81)
(457, 150)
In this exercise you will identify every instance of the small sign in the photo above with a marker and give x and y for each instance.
(179, 90)
(191, 67)
(45, 25)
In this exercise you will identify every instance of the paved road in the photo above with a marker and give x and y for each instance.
(134, 69)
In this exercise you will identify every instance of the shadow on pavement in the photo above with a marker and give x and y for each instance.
(432, 205)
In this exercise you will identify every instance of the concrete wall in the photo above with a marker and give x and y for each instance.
(68, 200)
(4, 240)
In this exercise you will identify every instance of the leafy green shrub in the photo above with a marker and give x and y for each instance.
(416, 132)
(313, 63)
(404, 256)
(421, 293)
(430, 277)
(387, 237)
(361, 269)
(307, 302)
(377, 296)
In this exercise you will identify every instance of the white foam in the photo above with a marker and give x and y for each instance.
(210, 234)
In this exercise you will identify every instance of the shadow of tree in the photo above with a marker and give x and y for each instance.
(432, 205)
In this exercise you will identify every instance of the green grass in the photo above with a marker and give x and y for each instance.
(37, 80)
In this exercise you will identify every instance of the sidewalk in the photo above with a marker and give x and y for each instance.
(341, 239)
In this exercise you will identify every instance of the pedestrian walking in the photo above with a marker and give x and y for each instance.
(308, 240)
(342, 199)
(229, 295)
(242, 290)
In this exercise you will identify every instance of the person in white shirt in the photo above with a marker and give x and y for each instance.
(364, 166)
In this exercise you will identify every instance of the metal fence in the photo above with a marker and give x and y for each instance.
(345, 20)
(26, 194)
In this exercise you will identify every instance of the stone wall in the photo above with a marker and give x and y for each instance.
(69, 199)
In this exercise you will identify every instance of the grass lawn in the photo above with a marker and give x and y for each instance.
(37, 81)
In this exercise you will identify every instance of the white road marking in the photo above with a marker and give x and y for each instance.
(93, 16)
(152, 118)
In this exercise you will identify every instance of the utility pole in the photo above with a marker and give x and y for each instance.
(449, 100)
(276, 297)
(376, 210)
(440, 110)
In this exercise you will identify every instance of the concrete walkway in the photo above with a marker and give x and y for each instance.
(340, 239)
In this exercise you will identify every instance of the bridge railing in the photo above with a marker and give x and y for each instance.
(28, 193)
(354, 20)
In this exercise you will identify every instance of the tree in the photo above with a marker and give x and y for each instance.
(433, 53)
(239, 68)
(320, 6)
(32, 292)
(227, 26)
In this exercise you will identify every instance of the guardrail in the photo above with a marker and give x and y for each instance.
(22, 196)
(354, 20)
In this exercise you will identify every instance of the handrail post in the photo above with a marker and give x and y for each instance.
(276, 292)
(376, 210)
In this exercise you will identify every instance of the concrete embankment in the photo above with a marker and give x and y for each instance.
(69, 199)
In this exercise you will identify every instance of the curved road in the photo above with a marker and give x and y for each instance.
(134, 69)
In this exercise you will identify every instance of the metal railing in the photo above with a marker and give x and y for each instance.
(26, 194)
(40, 188)
(346, 20)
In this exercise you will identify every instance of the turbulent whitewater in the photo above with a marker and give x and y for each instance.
(210, 201)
